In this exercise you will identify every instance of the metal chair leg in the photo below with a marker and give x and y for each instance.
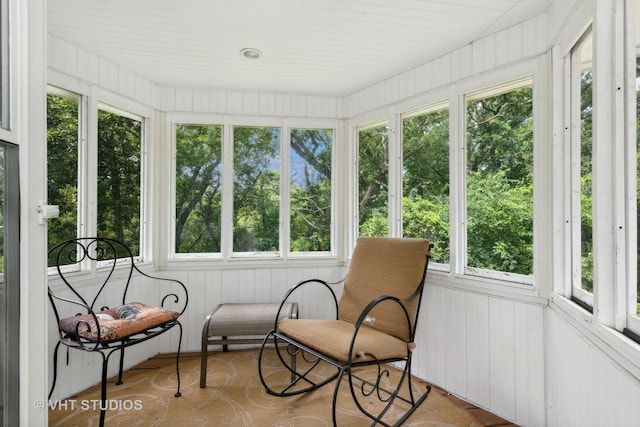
(103, 391)
(203, 364)
(55, 369)
(178, 394)
(120, 369)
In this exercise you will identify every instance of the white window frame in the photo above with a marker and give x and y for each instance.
(286, 186)
(385, 120)
(414, 112)
(82, 148)
(613, 303)
(206, 120)
(92, 99)
(284, 176)
(228, 123)
(139, 113)
(573, 65)
(501, 82)
(629, 320)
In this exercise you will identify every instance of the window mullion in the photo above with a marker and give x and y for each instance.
(285, 191)
(624, 78)
(628, 307)
(395, 176)
(88, 170)
(227, 190)
(605, 145)
(458, 201)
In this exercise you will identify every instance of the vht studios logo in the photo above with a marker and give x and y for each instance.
(92, 404)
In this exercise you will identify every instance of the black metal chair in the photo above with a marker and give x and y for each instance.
(375, 325)
(88, 321)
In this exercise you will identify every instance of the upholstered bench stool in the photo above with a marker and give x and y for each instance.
(227, 322)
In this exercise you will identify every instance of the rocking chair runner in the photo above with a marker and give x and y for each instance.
(104, 326)
(375, 324)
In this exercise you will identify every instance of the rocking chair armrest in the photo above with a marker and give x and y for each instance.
(324, 283)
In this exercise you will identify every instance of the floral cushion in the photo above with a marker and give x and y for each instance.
(117, 323)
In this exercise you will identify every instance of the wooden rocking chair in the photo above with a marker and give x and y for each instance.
(375, 325)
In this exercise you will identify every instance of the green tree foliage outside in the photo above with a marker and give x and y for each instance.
(310, 213)
(62, 167)
(373, 180)
(500, 182)
(586, 153)
(425, 180)
(198, 188)
(119, 163)
(256, 189)
(119, 178)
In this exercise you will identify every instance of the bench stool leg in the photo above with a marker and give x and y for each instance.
(203, 367)
(204, 347)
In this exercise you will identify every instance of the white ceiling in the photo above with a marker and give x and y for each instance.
(321, 47)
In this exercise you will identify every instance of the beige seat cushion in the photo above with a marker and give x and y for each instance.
(333, 338)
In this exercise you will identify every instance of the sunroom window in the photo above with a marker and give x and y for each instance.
(310, 159)
(633, 291)
(636, 300)
(120, 136)
(198, 192)
(581, 179)
(425, 177)
(256, 190)
(499, 182)
(63, 144)
(373, 179)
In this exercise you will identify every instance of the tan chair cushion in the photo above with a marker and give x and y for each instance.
(333, 338)
(384, 266)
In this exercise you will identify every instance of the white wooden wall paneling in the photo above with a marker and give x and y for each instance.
(478, 354)
(502, 357)
(580, 376)
(529, 365)
(78, 63)
(508, 46)
(484, 349)
(456, 340)
(203, 100)
(198, 287)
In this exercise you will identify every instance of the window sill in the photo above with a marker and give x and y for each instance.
(203, 263)
(486, 286)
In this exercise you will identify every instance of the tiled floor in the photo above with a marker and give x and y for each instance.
(485, 417)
